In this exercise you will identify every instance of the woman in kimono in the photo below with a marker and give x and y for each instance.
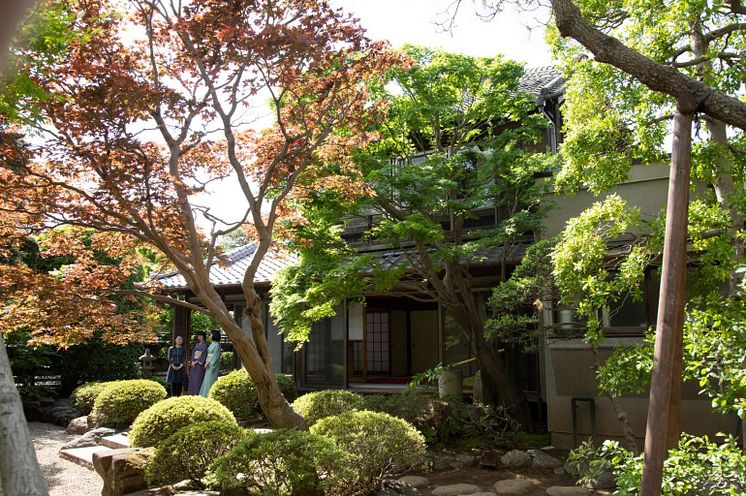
(199, 357)
(176, 362)
(212, 365)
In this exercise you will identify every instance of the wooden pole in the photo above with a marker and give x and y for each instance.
(665, 388)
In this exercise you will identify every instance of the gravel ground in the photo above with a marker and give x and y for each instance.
(63, 478)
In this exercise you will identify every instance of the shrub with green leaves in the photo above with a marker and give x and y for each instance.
(380, 446)
(320, 404)
(281, 463)
(166, 417)
(187, 453)
(120, 402)
(696, 466)
(85, 395)
(238, 393)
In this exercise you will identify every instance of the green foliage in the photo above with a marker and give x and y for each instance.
(281, 463)
(166, 417)
(582, 273)
(697, 466)
(714, 344)
(455, 141)
(120, 402)
(237, 392)
(317, 405)
(515, 303)
(380, 446)
(85, 395)
(188, 452)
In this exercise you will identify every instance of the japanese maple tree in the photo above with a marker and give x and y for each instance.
(152, 105)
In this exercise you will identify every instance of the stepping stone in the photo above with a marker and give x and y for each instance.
(513, 487)
(516, 459)
(456, 490)
(83, 456)
(567, 491)
(542, 460)
(415, 481)
(483, 494)
(116, 441)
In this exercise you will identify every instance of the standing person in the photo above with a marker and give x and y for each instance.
(212, 365)
(176, 362)
(199, 357)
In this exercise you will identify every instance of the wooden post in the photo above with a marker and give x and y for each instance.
(665, 388)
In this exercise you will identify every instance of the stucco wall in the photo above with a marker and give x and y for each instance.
(570, 373)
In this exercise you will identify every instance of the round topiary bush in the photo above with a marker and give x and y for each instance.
(237, 392)
(281, 463)
(319, 404)
(187, 453)
(166, 417)
(85, 395)
(380, 446)
(121, 402)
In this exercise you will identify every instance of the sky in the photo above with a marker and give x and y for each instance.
(516, 35)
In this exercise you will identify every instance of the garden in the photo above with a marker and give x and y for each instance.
(407, 443)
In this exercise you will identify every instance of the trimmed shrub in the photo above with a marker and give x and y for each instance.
(281, 463)
(166, 417)
(85, 395)
(121, 402)
(187, 453)
(380, 446)
(287, 386)
(320, 404)
(237, 392)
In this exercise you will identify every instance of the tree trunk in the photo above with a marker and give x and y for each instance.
(495, 374)
(253, 352)
(665, 388)
(19, 470)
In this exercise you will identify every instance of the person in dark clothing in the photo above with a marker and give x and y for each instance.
(176, 362)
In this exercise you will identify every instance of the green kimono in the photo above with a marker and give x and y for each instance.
(213, 368)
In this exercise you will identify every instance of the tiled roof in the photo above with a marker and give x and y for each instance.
(239, 258)
(491, 256)
(542, 81)
(232, 271)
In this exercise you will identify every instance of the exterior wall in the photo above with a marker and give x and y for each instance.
(568, 365)
(570, 374)
(398, 343)
(646, 188)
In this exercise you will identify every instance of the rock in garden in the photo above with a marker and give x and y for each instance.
(510, 487)
(122, 470)
(415, 481)
(559, 471)
(543, 461)
(90, 438)
(397, 488)
(456, 490)
(569, 469)
(485, 493)
(516, 459)
(489, 459)
(605, 480)
(462, 460)
(78, 425)
(566, 491)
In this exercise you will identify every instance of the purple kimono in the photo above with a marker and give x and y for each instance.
(199, 355)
